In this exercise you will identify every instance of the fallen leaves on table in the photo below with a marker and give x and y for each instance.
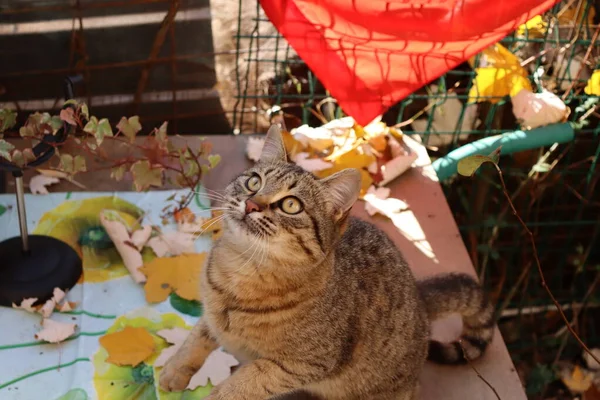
(311, 164)
(578, 380)
(498, 74)
(378, 201)
(176, 336)
(48, 307)
(118, 233)
(54, 331)
(189, 223)
(180, 274)
(130, 346)
(66, 306)
(27, 304)
(254, 147)
(38, 184)
(216, 368)
(373, 193)
(51, 173)
(172, 243)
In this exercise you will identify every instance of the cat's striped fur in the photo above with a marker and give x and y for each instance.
(318, 301)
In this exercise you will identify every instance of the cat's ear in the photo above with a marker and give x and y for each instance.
(274, 149)
(343, 189)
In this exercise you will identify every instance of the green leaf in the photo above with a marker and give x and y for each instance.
(469, 165)
(161, 135)
(66, 163)
(5, 149)
(145, 176)
(28, 155)
(70, 101)
(542, 167)
(2, 209)
(55, 123)
(100, 129)
(18, 159)
(8, 118)
(214, 160)
(188, 307)
(74, 394)
(91, 126)
(130, 127)
(84, 111)
(79, 164)
(539, 378)
(117, 173)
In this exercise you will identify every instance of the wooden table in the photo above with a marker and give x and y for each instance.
(427, 235)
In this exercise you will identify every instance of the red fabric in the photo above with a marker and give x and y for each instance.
(370, 54)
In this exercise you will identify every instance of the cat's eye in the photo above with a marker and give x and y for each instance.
(253, 183)
(290, 205)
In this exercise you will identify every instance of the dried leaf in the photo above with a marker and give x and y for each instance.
(380, 193)
(66, 306)
(216, 368)
(311, 164)
(54, 331)
(38, 183)
(396, 167)
(254, 148)
(175, 336)
(68, 115)
(130, 346)
(184, 215)
(145, 176)
(180, 274)
(27, 304)
(172, 243)
(533, 110)
(117, 173)
(590, 362)
(140, 237)
(130, 127)
(579, 380)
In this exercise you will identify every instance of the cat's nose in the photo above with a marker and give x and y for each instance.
(252, 207)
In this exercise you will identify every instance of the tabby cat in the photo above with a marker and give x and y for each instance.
(311, 299)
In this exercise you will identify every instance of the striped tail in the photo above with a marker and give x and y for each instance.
(458, 293)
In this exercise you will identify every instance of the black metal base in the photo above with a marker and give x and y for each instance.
(49, 264)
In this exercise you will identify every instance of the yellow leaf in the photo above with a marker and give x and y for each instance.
(292, 146)
(579, 380)
(593, 86)
(180, 274)
(502, 76)
(130, 346)
(536, 27)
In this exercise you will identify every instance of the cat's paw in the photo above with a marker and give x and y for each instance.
(175, 377)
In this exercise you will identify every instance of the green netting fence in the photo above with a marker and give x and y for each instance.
(554, 188)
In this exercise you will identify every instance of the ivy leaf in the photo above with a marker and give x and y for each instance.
(130, 127)
(70, 101)
(66, 163)
(79, 164)
(184, 306)
(84, 111)
(469, 165)
(5, 149)
(145, 176)
(214, 160)
(161, 135)
(68, 115)
(28, 155)
(18, 159)
(100, 129)
(8, 118)
(55, 123)
(118, 173)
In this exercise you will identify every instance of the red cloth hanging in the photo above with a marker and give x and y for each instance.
(370, 54)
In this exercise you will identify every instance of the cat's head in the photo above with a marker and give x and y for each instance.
(277, 204)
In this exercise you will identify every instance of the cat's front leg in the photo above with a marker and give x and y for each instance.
(260, 380)
(179, 369)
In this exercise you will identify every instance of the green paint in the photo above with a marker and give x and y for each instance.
(89, 314)
(188, 307)
(38, 343)
(143, 374)
(197, 198)
(2, 209)
(96, 237)
(68, 195)
(74, 394)
(41, 371)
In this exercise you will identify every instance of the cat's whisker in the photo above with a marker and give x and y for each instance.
(256, 247)
(216, 219)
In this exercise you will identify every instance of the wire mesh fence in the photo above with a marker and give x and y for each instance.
(554, 188)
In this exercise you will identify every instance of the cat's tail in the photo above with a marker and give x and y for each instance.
(458, 293)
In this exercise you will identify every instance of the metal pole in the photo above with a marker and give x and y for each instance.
(21, 211)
